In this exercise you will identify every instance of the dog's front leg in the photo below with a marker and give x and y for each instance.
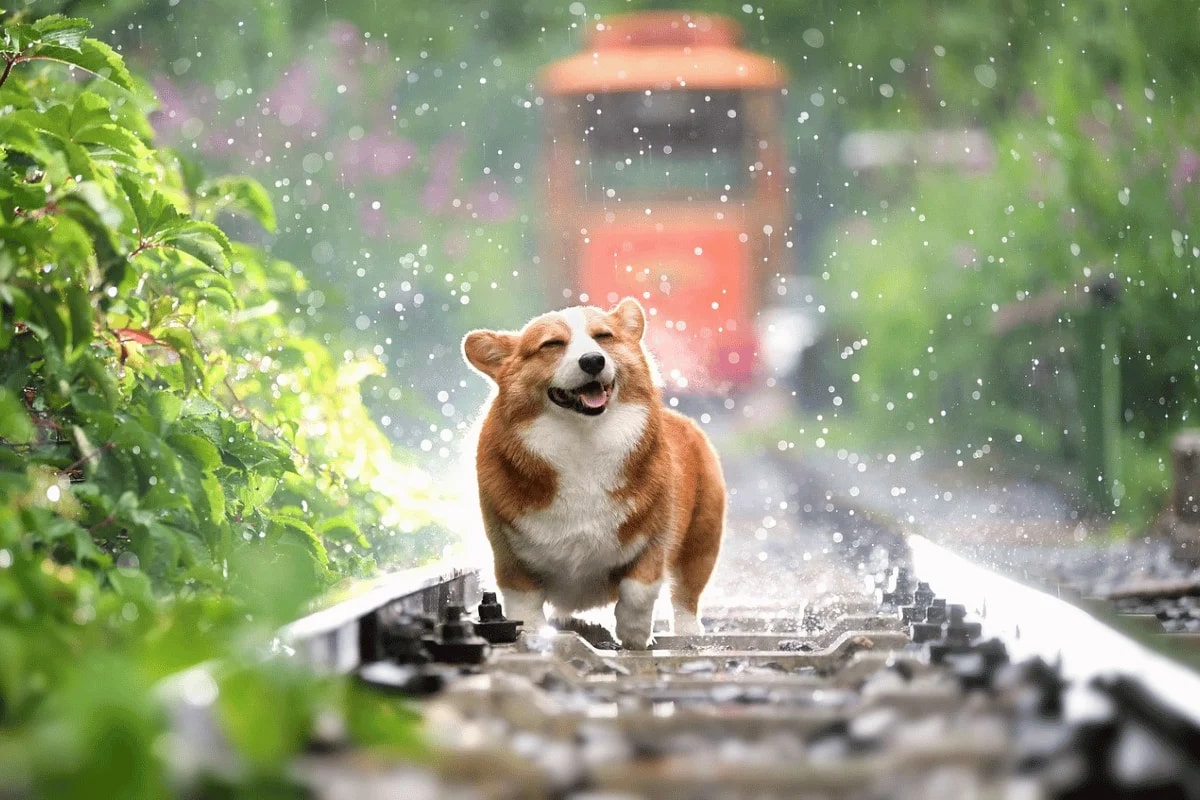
(527, 606)
(522, 593)
(635, 600)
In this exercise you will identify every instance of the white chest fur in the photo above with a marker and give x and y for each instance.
(572, 543)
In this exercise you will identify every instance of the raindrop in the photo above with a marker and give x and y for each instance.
(986, 75)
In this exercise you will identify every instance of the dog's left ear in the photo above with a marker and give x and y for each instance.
(487, 351)
(629, 315)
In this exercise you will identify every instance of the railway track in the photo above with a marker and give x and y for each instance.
(960, 684)
(843, 659)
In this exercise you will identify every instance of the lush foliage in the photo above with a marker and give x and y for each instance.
(1087, 181)
(182, 438)
(402, 158)
(181, 468)
(1083, 171)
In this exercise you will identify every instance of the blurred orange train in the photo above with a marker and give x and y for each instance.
(666, 180)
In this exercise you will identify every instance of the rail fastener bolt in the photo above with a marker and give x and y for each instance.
(931, 627)
(457, 642)
(492, 624)
(915, 612)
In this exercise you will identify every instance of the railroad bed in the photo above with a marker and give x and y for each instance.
(893, 691)
(842, 659)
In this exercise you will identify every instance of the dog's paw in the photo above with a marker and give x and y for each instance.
(635, 640)
(529, 607)
(635, 613)
(634, 630)
(687, 624)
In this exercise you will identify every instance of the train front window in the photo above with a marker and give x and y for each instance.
(684, 143)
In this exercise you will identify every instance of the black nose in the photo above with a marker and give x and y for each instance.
(591, 363)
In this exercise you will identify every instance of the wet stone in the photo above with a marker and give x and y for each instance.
(696, 667)
(796, 646)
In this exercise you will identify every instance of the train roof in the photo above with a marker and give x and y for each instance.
(662, 50)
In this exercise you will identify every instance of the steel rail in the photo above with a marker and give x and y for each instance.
(339, 637)
(1033, 623)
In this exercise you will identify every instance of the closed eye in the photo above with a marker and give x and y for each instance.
(552, 343)
(602, 335)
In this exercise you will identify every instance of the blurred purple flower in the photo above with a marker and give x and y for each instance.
(348, 51)
(291, 99)
(380, 155)
(373, 221)
(1185, 173)
(456, 243)
(173, 110)
(443, 172)
(491, 202)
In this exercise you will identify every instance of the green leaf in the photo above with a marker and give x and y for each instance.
(15, 425)
(254, 454)
(203, 241)
(94, 196)
(69, 241)
(202, 452)
(65, 531)
(341, 528)
(89, 454)
(92, 207)
(256, 491)
(64, 31)
(152, 212)
(88, 110)
(18, 37)
(266, 711)
(54, 120)
(46, 321)
(300, 532)
(111, 141)
(17, 133)
(392, 727)
(93, 56)
(131, 584)
(183, 343)
(214, 496)
(104, 62)
(82, 317)
(239, 195)
(165, 407)
(102, 379)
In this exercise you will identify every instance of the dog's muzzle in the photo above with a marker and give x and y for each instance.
(590, 399)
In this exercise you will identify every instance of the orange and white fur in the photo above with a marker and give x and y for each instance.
(592, 491)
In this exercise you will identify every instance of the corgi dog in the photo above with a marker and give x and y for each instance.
(592, 491)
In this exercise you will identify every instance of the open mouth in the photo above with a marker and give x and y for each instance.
(590, 399)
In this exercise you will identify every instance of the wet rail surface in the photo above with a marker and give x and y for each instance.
(893, 693)
(841, 659)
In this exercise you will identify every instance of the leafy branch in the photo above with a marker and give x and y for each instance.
(167, 438)
(61, 39)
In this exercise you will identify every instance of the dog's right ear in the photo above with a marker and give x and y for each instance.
(487, 351)
(630, 315)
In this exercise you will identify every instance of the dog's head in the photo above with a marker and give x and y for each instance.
(575, 361)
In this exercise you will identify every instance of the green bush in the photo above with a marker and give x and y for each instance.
(181, 468)
(1090, 180)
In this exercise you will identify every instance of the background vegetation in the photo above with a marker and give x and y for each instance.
(190, 426)
(181, 470)
(1084, 173)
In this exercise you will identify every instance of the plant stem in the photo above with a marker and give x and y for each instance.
(8, 65)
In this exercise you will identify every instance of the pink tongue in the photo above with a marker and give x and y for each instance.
(594, 398)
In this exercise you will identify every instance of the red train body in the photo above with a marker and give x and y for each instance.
(666, 180)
